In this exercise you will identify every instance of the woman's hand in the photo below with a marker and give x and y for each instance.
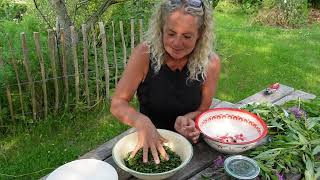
(186, 127)
(149, 138)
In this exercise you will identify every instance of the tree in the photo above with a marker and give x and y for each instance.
(65, 21)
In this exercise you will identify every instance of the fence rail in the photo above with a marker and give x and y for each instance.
(64, 76)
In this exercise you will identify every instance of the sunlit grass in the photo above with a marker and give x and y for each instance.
(255, 56)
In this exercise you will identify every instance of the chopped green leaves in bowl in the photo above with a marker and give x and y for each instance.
(136, 163)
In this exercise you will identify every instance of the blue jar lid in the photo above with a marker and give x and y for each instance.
(241, 167)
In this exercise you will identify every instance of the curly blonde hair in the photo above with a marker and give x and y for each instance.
(199, 57)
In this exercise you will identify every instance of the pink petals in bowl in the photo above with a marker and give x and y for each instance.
(231, 130)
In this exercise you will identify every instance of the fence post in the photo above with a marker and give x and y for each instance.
(94, 44)
(105, 58)
(52, 55)
(43, 73)
(26, 65)
(64, 66)
(8, 92)
(15, 68)
(85, 62)
(75, 62)
(114, 55)
(141, 30)
(132, 33)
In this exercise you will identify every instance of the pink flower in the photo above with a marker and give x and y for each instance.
(219, 161)
(280, 176)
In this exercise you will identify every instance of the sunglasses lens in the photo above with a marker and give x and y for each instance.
(192, 3)
(195, 3)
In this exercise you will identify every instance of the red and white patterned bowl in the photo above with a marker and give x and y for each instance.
(231, 130)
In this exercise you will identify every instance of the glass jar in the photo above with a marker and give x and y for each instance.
(241, 167)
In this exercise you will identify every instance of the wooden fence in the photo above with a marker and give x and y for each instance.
(95, 68)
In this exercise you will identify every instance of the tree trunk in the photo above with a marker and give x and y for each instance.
(93, 19)
(63, 19)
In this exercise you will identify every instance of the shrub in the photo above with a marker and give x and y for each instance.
(286, 13)
(11, 10)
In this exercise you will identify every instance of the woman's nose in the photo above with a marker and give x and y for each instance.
(177, 42)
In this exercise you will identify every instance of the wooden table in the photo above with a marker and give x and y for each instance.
(204, 155)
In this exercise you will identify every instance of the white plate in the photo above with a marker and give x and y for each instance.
(84, 169)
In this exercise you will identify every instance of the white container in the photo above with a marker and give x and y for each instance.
(178, 144)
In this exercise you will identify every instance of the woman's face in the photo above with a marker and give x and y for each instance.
(180, 34)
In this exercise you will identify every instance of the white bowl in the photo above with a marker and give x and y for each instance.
(231, 130)
(84, 169)
(176, 142)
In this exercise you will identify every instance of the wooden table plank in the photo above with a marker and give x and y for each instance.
(122, 175)
(260, 97)
(225, 104)
(210, 172)
(105, 150)
(294, 96)
(214, 103)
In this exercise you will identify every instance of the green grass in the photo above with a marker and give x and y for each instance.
(252, 58)
(255, 56)
(33, 153)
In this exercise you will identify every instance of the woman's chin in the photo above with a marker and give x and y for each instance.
(176, 55)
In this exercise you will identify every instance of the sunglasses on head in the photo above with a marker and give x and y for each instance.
(191, 3)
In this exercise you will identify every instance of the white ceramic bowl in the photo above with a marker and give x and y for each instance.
(176, 142)
(84, 169)
(231, 130)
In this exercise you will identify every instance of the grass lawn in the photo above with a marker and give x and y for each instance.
(252, 58)
(255, 56)
(33, 153)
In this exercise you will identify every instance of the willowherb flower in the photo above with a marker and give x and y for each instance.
(219, 161)
(280, 176)
(298, 112)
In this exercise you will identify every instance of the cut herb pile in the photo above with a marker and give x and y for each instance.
(136, 163)
(295, 144)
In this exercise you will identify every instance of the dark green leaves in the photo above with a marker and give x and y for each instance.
(136, 163)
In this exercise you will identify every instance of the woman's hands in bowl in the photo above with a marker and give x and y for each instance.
(149, 138)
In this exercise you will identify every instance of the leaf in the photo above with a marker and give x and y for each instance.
(316, 150)
(269, 154)
(309, 172)
(303, 139)
(276, 124)
(311, 122)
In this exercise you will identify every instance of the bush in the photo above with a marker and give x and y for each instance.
(286, 13)
(228, 6)
(11, 10)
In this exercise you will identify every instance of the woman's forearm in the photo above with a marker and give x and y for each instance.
(125, 113)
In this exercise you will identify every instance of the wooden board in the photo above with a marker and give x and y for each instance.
(210, 172)
(294, 96)
(214, 103)
(260, 97)
(122, 175)
(225, 104)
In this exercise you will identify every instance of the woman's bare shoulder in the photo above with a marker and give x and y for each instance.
(214, 61)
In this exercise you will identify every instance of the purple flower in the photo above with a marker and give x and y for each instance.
(298, 112)
(280, 176)
(218, 162)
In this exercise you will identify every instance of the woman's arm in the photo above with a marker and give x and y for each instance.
(134, 74)
(185, 124)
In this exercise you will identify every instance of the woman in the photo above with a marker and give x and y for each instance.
(174, 73)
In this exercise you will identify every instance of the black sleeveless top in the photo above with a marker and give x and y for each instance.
(166, 95)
